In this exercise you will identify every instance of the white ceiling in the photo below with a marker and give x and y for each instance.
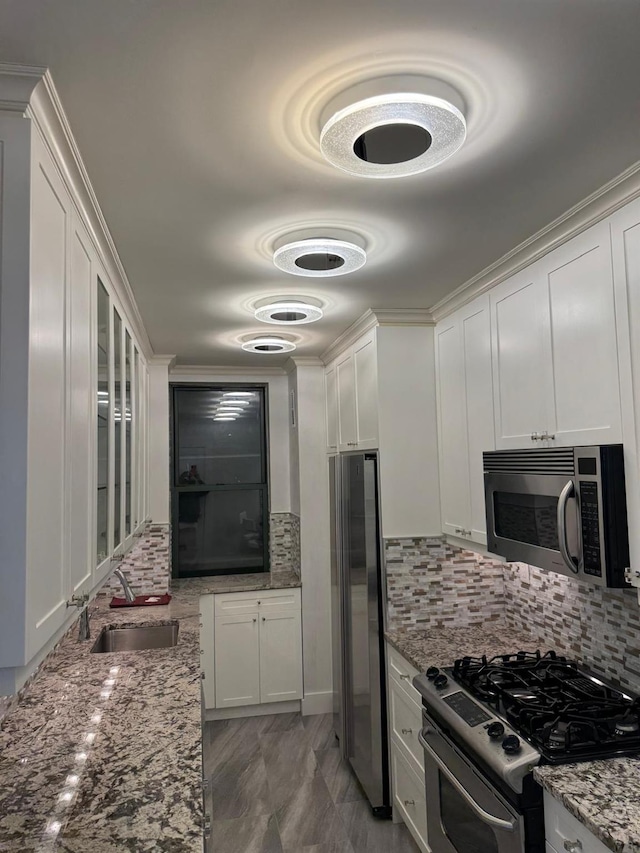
(198, 121)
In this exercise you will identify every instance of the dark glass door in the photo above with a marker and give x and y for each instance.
(219, 480)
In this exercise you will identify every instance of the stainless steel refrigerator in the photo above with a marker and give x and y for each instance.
(357, 595)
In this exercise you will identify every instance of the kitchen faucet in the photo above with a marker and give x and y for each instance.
(82, 603)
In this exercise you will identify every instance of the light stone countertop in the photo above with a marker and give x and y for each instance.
(603, 795)
(103, 752)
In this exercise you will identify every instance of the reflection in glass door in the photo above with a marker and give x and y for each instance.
(219, 480)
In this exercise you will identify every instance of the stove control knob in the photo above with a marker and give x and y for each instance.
(511, 744)
(432, 672)
(440, 680)
(495, 730)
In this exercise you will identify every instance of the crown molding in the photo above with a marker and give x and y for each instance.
(215, 370)
(162, 361)
(305, 361)
(370, 319)
(30, 91)
(613, 195)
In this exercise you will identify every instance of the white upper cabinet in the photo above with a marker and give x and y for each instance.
(354, 374)
(366, 385)
(465, 417)
(554, 340)
(521, 362)
(585, 398)
(331, 401)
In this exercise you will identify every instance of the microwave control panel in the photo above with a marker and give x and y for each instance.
(590, 517)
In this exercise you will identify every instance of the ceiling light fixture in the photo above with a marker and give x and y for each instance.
(271, 344)
(393, 127)
(238, 394)
(291, 313)
(319, 258)
(226, 403)
(225, 418)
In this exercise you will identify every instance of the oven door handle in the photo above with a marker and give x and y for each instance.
(567, 492)
(485, 817)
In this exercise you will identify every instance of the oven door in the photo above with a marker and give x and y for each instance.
(533, 518)
(465, 814)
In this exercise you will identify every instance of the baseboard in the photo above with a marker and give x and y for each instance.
(252, 710)
(317, 703)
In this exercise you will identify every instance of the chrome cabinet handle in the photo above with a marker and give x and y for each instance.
(409, 802)
(207, 826)
(462, 531)
(405, 677)
(535, 436)
(407, 731)
(573, 846)
(485, 817)
(567, 492)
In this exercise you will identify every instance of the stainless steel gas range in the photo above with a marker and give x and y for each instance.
(488, 723)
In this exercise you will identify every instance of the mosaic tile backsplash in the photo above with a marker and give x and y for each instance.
(431, 583)
(284, 542)
(599, 627)
(147, 564)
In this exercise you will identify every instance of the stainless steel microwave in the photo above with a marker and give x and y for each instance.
(560, 508)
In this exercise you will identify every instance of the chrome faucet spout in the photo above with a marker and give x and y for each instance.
(128, 592)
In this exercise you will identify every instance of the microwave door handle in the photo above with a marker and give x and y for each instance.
(485, 817)
(567, 492)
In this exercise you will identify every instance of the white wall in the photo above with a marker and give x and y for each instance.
(159, 510)
(278, 395)
(410, 495)
(294, 448)
(313, 483)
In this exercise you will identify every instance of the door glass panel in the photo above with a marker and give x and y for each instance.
(219, 437)
(527, 518)
(104, 410)
(128, 417)
(465, 830)
(220, 531)
(117, 417)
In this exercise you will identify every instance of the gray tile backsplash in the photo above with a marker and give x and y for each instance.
(284, 542)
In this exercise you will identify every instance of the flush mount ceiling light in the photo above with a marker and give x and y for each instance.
(393, 127)
(319, 258)
(271, 344)
(290, 312)
(225, 418)
(238, 394)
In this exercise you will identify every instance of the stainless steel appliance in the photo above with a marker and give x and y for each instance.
(357, 620)
(488, 723)
(560, 508)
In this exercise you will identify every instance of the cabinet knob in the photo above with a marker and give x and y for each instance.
(264, 618)
(535, 436)
(409, 802)
(259, 602)
(255, 618)
(407, 731)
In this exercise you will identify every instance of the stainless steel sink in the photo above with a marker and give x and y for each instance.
(135, 639)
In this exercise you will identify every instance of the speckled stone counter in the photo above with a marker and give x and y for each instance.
(102, 752)
(603, 795)
(442, 646)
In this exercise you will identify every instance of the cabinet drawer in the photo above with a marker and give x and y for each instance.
(406, 720)
(403, 673)
(561, 826)
(246, 602)
(409, 797)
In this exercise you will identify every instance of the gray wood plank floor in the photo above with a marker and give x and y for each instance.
(277, 785)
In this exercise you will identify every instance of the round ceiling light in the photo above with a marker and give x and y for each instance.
(238, 394)
(225, 418)
(289, 313)
(397, 132)
(319, 258)
(269, 344)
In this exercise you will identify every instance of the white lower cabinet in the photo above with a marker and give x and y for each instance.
(406, 756)
(563, 832)
(251, 648)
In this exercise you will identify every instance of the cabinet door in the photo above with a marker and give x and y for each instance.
(280, 656)
(366, 387)
(331, 410)
(625, 235)
(586, 389)
(237, 660)
(478, 388)
(522, 378)
(409, 797)
(207, 646)
(452, 428)
(346, 382)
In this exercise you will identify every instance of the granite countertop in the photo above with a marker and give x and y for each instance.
(603, 795)
(104, 751)
(424, 647)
